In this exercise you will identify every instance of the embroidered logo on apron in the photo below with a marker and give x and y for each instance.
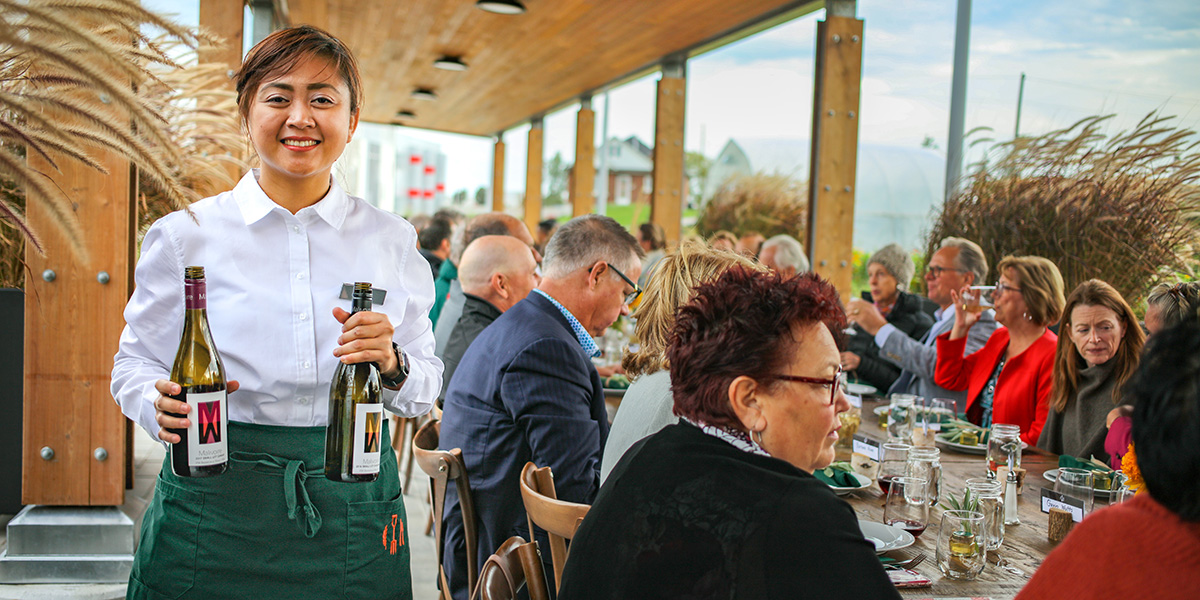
(397, 535)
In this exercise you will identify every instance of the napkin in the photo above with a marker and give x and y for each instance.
(1072, 462)
(837, 475)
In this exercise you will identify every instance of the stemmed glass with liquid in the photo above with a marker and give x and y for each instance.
(907, 505)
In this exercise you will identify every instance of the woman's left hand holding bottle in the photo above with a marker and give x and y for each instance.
(366, 337)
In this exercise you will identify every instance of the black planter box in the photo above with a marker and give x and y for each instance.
(12, 382)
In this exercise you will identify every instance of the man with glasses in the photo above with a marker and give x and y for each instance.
(526, 389)
(957, 263)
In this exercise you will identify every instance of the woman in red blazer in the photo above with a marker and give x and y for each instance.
(1009, 379)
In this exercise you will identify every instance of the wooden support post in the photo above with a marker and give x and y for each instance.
(498, 174)
(533, 176)
(833, 166)
(74, 450)
(583, 172)
(667, 200)
(223, 18)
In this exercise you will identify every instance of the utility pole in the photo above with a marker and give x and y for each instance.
(958, 97)
(1020, 97)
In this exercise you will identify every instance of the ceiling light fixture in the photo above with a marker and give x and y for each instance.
(501, 7)
(450, 63)
(424, 94)
(406, 114)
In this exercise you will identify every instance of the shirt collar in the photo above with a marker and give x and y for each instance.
(585, 339)
(944, 314)
(254, 203)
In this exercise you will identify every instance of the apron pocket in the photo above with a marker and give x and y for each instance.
(377, 553)
(165, 561)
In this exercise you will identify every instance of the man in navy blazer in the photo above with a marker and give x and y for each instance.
(526, 389)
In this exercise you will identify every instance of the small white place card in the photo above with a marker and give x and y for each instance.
(866, 446)
(1052, 499)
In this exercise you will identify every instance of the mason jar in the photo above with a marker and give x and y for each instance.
(989, 493)
(1002, 440)
(926, 463)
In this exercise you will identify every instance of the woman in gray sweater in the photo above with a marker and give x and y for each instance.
(648, 405)
(1098, 350)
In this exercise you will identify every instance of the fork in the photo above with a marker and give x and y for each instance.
(906, 564)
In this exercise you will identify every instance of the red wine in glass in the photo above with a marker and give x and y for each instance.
(885, 482)
(916, 528)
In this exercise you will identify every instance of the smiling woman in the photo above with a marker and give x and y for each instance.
(1096, 355)
(285, 240)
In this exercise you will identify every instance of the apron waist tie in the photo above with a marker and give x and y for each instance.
(299, 506)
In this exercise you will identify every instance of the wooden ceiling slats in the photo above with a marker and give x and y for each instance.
(519, 65)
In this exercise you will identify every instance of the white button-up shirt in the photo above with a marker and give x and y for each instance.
(273, 279)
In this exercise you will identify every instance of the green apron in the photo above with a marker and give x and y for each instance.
(274, 527)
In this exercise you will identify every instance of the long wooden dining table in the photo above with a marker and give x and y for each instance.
(1025, 545)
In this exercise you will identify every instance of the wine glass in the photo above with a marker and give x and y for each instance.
(907, 504)
(894, 463)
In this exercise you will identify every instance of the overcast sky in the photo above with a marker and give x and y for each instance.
(1080, 57)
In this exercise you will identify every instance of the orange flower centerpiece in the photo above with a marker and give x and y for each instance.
(1133, 475)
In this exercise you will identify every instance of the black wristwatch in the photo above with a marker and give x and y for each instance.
(402, 363)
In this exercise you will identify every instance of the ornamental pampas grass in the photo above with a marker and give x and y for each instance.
(73, 81)
(1120, 208)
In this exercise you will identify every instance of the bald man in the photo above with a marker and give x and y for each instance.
(496, 272)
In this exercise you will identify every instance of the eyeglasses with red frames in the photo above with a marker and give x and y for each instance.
(837, 382)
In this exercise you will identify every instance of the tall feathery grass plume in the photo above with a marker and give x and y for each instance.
(1119, 207)
(74, 77)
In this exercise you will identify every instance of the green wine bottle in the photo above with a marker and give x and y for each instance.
(354, 435)
(203, 448)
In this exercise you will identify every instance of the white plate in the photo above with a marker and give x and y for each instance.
(1052, 475)
(863, 483)
(860, 389)
(980, 449)
(885, 537)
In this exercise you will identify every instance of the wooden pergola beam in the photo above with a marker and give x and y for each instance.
(583, 172)
(666, 205)
(832, 165)
(533, 175)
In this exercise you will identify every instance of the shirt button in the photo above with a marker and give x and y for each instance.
(296, 228)
(303, 316)
(307, 364)
(302, 400)
(299, 275)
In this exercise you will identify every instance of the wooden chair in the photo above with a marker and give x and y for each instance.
(560, 519)
(405, 429)
(517, 563)
(444, 466)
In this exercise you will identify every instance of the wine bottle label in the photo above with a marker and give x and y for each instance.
(368, 429)
(208, 434)
(195, 294)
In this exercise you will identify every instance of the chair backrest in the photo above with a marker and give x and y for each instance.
(515, 564)
(444, 466)
(560, 519)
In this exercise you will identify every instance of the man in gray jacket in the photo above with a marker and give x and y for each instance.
(956, 264)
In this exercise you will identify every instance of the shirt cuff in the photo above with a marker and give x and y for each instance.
(881, 336)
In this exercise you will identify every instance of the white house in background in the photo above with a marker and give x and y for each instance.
(897, 189)
(394, 172)
(630, 171)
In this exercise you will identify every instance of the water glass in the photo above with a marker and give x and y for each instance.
(925, 463)
(961, 551)
(978, 298)
(1077, 483)
(893, 464)
(1003, 440)
(900, 418)
(989, 493)
(941, 411)
(1122, 494)
(907, 505)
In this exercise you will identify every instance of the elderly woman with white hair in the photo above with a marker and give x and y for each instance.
(888, 272)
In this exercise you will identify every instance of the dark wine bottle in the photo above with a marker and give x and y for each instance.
(354, 435)
(203, 448)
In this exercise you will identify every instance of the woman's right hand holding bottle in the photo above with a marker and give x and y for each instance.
(165, 404)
